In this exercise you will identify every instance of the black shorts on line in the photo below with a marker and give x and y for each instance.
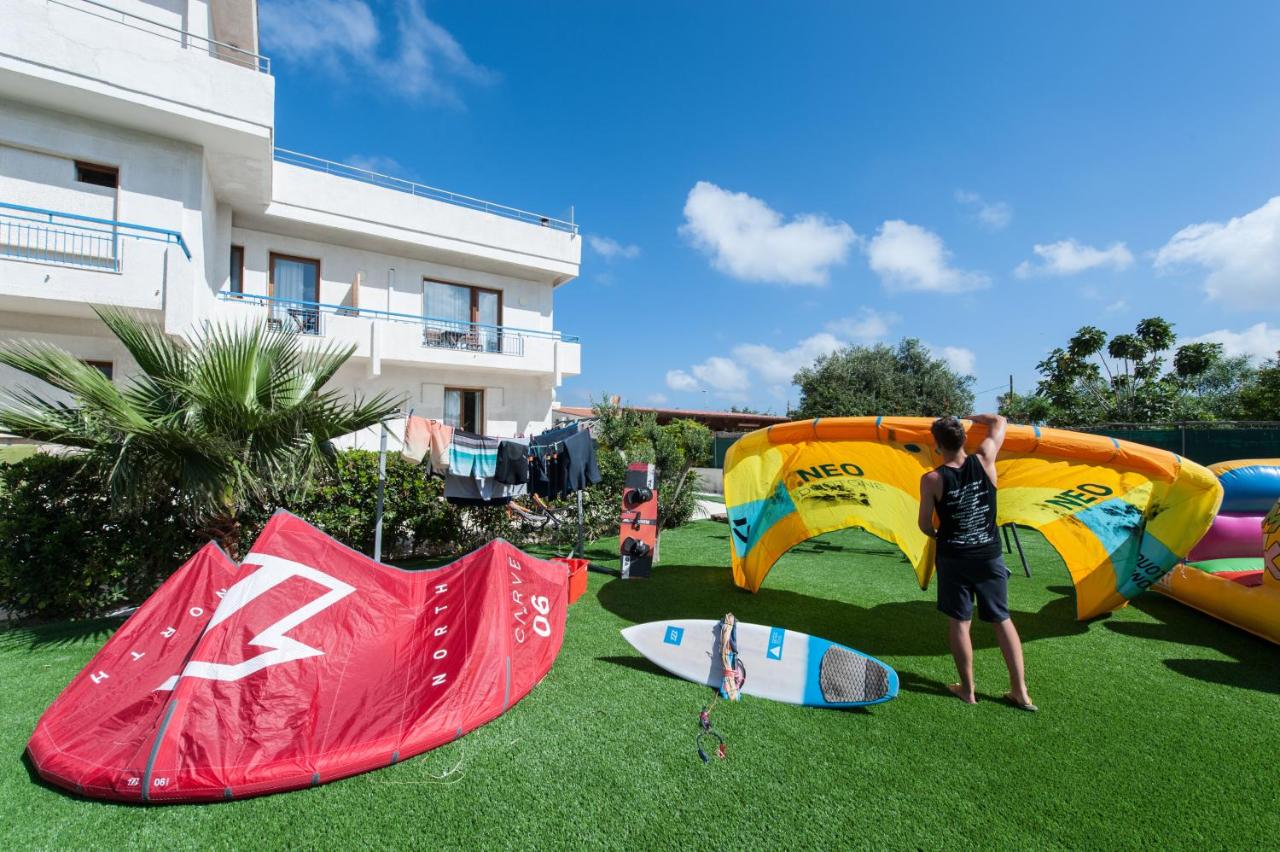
(962, 580)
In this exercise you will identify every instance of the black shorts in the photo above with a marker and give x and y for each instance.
(962, 580)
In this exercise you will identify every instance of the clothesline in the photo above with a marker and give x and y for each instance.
(480, 470)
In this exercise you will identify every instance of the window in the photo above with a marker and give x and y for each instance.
(464, 409)
(462, 317)
(106, 368)
(108, 176)
(295, 292)
(237, 270)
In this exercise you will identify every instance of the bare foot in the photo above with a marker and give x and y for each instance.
(959, 691)
(1022, 702)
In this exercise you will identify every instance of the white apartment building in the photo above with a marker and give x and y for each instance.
(138, 168)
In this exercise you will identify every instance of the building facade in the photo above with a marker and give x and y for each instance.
(138, 168)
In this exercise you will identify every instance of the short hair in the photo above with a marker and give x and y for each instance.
(948, 432)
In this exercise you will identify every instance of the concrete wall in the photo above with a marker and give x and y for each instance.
(161, 184)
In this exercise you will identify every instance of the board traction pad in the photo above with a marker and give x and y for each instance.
(845, 677)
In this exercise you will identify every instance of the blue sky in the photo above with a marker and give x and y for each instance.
(759, 182)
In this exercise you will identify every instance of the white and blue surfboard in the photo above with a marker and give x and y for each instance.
(778, 664)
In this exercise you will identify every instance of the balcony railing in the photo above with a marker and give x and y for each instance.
(307, 161)
(302, 317)
(69, 239)
(190, 41)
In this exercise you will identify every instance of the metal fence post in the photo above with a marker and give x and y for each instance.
(382, 489)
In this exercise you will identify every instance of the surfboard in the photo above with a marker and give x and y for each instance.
(778, 664)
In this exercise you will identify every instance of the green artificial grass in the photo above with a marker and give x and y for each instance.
(1157, 729)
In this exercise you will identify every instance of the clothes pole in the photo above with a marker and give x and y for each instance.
(382, 490)
(581, 546)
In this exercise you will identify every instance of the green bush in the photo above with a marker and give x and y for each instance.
(65, 553)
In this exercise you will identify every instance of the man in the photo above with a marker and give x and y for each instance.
(963, 494)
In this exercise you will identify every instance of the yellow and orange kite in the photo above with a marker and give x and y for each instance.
(1120, 514)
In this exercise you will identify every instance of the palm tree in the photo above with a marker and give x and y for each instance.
(232, 419)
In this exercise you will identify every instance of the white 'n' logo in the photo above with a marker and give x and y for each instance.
(273, 572)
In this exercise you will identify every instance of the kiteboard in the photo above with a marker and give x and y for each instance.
(773, 662)
(638, 523)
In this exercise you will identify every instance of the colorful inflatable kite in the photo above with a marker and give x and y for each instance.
(1233, 574)
(306, 663)
(1120, 514)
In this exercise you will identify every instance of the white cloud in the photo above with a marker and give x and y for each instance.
(994, 215)
(1068, 257)
(1259, 341)
(866, 326)
(778, 366)
(658, 398)
(679, 380)
(611, 249)
(962, 360)
(749, 240)
(722, 375)
(751, 365)
(915, 258)
(414, 57)
(1242, 256)
(1116, 306)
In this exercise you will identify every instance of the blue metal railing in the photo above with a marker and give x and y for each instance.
(69, 239)
(303, 317)
(306, 161)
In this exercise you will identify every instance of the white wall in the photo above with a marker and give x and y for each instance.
(86, 339)
(525, 304)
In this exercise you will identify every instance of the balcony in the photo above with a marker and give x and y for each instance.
(61, 263)
(318, 199)
(422, 190)
(153, 74)
(68, 239)
(410, 339)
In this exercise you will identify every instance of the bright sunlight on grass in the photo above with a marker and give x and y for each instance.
(1156, 730)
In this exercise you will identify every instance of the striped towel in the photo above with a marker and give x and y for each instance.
(473, 455)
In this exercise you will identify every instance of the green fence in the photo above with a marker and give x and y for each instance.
(723, 441)
(1205, 443)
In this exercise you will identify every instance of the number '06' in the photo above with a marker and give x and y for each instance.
(542, 604)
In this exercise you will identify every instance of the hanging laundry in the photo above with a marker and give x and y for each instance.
(427, 442)
(513, 462)
(580, 466)
(462, 490)
(473, 455)
(556, 435)
(540, 461)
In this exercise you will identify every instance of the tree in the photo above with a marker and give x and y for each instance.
(232, 420)
(900, 380)
(626, 435)
(1260, 399)
(1124, 378)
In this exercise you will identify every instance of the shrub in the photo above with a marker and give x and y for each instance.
(65, 553)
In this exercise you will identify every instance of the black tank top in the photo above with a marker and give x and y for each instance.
(967, 512)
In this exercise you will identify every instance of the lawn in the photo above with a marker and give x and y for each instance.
(1157, 729)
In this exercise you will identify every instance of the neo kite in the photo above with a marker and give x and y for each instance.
(305, 663)
(1120, 514)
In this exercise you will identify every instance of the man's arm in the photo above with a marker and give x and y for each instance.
(928, 499)
(990, 446)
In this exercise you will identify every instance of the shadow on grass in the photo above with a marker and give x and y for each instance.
(897, 628)
(1254, 661)
(59, 634)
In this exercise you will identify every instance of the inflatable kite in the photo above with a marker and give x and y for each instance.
(1120, 514)
(1233, 574)
(306, 663)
